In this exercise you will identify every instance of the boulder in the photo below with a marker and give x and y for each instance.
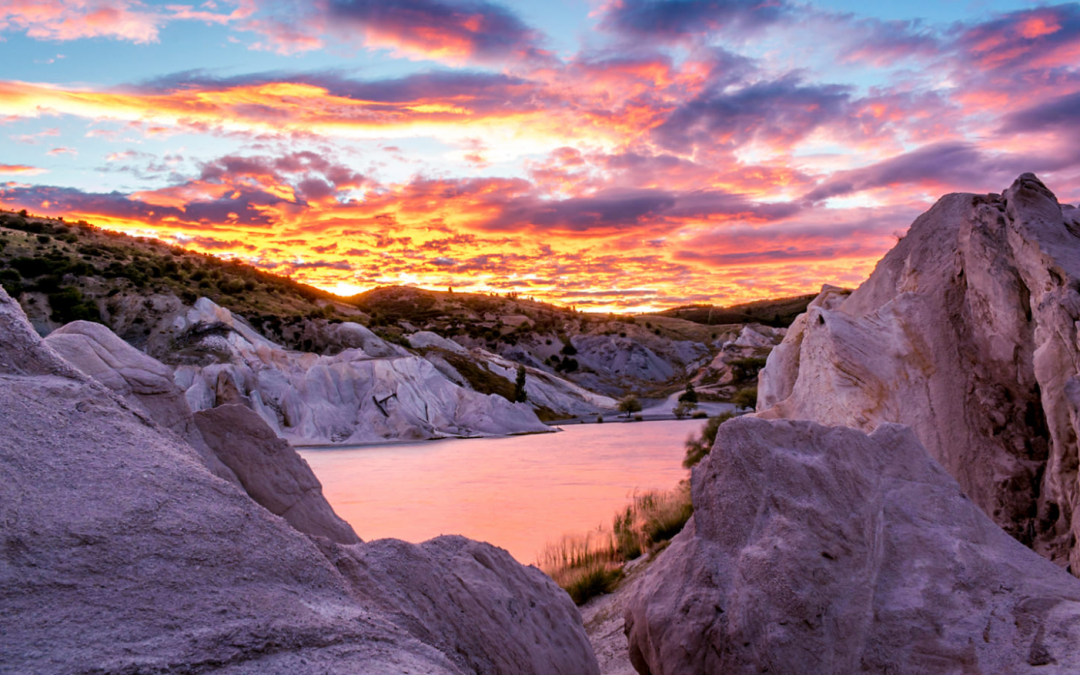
(123, 554)
(271, 471)
(967, 332)
(145, 383)
(429, 588)
(818, 549)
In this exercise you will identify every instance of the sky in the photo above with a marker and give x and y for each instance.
(613, 155)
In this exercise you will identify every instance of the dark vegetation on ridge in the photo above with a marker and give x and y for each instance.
(777, 312)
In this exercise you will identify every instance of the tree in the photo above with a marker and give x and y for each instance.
(629, 404)
(689, 396)
(683, 409)
(519, 386)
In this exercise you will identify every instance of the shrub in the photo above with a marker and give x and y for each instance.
(682, 410)
(519, 386)
(68, 304)
(689, 396)
(699, 446)
(569, 349)
(629, 404)
(747, 369)
(745, 398)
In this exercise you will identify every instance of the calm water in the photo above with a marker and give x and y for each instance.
(517, 493)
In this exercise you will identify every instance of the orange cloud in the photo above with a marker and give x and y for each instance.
(20, 169)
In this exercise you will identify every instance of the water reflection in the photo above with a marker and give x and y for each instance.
(517, 493)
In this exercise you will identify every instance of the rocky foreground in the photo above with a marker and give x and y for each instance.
(828, 538)
(140, 539)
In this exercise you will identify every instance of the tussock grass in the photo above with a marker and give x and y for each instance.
(583, 565)
(591, 564)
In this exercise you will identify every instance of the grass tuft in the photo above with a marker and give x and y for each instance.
(589, 565)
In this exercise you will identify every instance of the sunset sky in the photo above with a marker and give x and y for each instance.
(610, 154)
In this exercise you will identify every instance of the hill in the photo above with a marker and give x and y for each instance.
(778, 312)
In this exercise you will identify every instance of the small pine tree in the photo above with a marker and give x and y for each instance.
(519, 386)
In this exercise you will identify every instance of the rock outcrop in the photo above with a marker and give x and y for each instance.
(823, 550)
(465, 597)
(123, 554)
(145, 383)
(271, 471)
(233, 442)
(354, 396)
(967, 332)
(739, 360)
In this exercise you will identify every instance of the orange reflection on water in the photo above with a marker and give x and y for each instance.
(518, 492)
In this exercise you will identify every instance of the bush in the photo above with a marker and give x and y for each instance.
(589, 565)
(747, 369)
(68, 304)
(690, 395)
(569, 349)
(519, 386)
(745, 398)
(629, 404)
(698, 447)
(682, 410)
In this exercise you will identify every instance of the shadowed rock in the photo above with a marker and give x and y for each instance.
(967, 332)
(432, 587)
(823, 550)
(123, 554)
(271, 471)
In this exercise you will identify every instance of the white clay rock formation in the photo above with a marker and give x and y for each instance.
(967, 332)
(354, 396)
(124, 554)
(823, 550)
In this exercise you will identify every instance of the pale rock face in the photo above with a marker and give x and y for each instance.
(143, 382)
(753, 340)
(233, 442)
(271, 471)
(125, 555)
(823, 550)
(967, 332)
(547, 390)
(426, 339)
(620, 356)
(350, 397)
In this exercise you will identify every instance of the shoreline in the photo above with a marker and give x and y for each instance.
(555, 428)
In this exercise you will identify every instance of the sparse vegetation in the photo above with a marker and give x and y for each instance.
(683, 409)
(778, 312)
(745, 398)
(699, 446)
(588, 565)
(519, 386)
(744, 370)
(583, 565)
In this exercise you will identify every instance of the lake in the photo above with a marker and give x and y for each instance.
(517, 492)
